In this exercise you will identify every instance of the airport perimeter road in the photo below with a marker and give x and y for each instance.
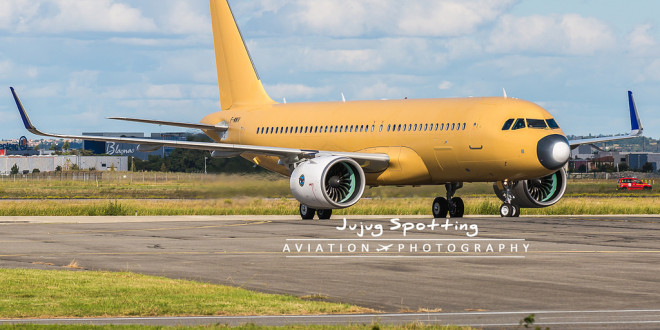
(584, 263)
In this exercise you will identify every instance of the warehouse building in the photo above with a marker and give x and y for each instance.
(65, 163)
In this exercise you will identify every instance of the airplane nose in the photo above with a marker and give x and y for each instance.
(553, 151)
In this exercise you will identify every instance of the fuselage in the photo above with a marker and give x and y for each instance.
(429, 141)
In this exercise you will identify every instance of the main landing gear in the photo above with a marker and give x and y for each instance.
(508, 209)
(452, 205)
(307, 213)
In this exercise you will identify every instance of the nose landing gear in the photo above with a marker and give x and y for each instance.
(508, 209)
(452, 205)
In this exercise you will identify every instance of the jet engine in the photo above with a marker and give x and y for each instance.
(535, 193)
(329, 182)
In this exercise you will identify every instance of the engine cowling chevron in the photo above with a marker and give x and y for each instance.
(331, 182)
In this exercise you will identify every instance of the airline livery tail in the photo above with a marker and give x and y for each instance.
(237, 77)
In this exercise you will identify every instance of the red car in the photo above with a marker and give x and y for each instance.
(633, 184)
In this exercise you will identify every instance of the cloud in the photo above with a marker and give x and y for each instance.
(296, 91)
(61, 16)
(183, 19)
(640, 41)
(347, 18)
(567, 34)
(445, 85)
(342, 60)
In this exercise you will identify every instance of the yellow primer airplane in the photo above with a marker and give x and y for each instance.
(332, 150)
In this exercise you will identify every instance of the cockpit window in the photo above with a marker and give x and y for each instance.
(552, 123)
(536, 123)
(520, 123)
(507, 124)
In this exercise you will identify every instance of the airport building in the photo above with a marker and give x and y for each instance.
(129, 149)
(68, 162)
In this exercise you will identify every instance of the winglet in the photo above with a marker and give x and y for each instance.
(24, 116)
(636, 128)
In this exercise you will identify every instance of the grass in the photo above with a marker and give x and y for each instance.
(269, 194)
(288, 206)
(28, 293)
(182, 186)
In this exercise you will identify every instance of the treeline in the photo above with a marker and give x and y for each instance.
(192, 161)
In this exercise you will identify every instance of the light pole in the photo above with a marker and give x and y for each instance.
(205, 158)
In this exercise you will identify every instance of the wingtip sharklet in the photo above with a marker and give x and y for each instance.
(26, 120)
(636, 128)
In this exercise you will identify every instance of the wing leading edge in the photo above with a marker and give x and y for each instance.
(636, 128)
(375, 161)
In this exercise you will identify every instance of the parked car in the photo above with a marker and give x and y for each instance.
(633, 184)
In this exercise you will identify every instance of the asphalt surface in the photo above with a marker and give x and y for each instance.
(570, 271)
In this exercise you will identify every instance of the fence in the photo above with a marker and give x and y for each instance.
(105, 176)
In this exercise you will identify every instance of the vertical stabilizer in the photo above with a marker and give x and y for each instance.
(237, 78)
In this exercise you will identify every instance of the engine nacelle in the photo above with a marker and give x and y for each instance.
(331, 182)
(535, 193)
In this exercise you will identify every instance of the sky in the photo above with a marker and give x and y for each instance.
(76, 62)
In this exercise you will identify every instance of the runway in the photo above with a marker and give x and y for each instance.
(487, 270)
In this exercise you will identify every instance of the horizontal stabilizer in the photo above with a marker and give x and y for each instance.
(221, 127)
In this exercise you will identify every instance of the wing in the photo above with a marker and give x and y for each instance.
(636, 128)
(375, 162)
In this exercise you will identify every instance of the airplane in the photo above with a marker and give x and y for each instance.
(332, 150)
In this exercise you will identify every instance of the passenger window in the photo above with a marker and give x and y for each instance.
(436, 126)
(415, 127)
(463, 126)
(399, 128)
(404, 127)
(520, 123)
(552, 123)
(388, 127)
(536, 123)
(374, 126)
(452, 126)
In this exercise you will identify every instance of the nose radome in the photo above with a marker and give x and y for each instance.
(553, 151)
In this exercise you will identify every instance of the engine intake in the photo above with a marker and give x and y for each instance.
(535, 193)
(331, 182)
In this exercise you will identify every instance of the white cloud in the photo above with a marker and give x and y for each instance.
(342, 60)
(567, 34)
(411, 18)
(164, 92)
(296, 91)
(640, 41)
(447, 18)
(380, 90)
(183, 19)
(61, 16)
(445, 85)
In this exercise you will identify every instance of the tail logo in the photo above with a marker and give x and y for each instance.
(301, 180)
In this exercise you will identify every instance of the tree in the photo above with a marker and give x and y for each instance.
(75, 167)
(66, 145)
(58, 168)
(623, 167)
(35, 170)
(647, 167)
(14, 169)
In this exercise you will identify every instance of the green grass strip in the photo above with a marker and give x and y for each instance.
(29, 293)
(281, 206)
